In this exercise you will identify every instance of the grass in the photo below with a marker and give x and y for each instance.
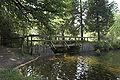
(14, 75)
(11, 75)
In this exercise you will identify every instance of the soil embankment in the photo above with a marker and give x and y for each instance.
(12, 57)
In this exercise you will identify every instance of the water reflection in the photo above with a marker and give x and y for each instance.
(78, 68)
(82, 69)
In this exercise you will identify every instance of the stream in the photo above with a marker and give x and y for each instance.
(105, 67)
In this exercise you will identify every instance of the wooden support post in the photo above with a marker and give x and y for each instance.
(22, 41)
(10, 42)
(69, 38)
(27, 44)
(75, 41)
(87, 38)
(83, 38)
(31, 46)
(0, 40)
(55, 38)
(75, 38)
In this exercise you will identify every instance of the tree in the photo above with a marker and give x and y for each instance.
(77, 20)
(114, 32)
(39, 12)
(20, 16)
(60, 23)
(99, 16)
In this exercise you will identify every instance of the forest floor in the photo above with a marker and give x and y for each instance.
(12, 57)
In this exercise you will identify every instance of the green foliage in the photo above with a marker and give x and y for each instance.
(21, 16)
(103, 45)
(57, 17)
(7, 30)
(114, 33)
(78, 13)
(99, 16)
(25, 11)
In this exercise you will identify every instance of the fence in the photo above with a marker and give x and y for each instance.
(12, 42)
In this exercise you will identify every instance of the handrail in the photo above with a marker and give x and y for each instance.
(60, 36)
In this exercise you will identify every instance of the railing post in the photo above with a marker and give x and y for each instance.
(27, 44)
(55, 37)
(75, 38)
(0, 40)
(31, 46)
(87, 39)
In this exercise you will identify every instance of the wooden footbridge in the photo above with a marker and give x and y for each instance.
(38, 44)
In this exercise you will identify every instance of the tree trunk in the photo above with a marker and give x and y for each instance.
(98, 35)
(97, 24)
(81, 19)
(98, 27)
(63, 34)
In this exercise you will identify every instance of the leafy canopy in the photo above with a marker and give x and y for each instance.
(99, 15)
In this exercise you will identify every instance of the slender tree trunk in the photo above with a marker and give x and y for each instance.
(97, 26)
(98, 35)
(81, 19)
(97, 23)
(63, 34)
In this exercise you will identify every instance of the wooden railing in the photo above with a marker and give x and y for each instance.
(52, 40)
(59, 38)
(27, 42)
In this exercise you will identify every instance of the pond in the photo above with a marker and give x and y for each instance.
(106, 67)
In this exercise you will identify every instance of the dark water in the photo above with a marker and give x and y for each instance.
(106, 67)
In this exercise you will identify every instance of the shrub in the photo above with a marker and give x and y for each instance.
(103, 45)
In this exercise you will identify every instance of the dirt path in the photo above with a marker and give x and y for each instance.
(12, 57)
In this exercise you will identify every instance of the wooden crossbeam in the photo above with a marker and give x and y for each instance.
(66, 44)
(52, 45)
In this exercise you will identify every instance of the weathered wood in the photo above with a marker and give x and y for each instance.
(31, 46)
(57, 41)
(42, 50)
(26, 63)
(27, 44)
(61, 36)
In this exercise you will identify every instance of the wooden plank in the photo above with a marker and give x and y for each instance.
(21, 65)
(55, 40)
(63, 36)
(59, 45)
